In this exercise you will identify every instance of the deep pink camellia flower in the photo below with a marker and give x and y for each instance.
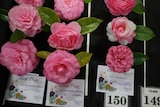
(26, 18)
(69, 9)
(20, 57)
(119, 58)
(36, 3)
(65, 36)
(121, 30)
(61, 67)
(120, 7)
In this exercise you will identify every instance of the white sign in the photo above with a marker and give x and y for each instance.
(70, 95)
(113, 82)
(150, 97)
(28, 89)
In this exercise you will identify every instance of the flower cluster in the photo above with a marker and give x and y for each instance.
(27, 19)
(122, 30)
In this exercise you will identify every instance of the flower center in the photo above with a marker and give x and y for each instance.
(18, 59)
(26, 16)
(61, 69)
(121, 29)
(119, 59)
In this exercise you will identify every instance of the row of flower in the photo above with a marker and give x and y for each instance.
(29, 17)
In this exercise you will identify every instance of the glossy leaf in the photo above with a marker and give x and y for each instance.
(83, 58)
(48, 15)
(139, 8)
(139, 58)
(89, 24)
(16, 36)
(4, 15)
(43, 54)
(87, 1)
(144, 33)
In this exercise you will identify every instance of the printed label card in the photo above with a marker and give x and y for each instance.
(113, 82)
(150, 97)
(115, 100)
(70, 95)
(28, 89)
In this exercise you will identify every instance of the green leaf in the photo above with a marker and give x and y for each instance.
(4, 15)
(144, 33)
(16, 36)
(83, 58)
(139, 8)
(43, 54)
(46, 28)
(48, 15)
(87, 1)
(139, 58)
(89, 24)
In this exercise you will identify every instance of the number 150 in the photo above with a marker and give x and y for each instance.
(117, 100)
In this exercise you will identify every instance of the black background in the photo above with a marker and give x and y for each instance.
(99, 45)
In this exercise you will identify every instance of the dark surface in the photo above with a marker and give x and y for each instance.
(99, 45)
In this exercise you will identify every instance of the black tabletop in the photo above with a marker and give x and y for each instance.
(99, 45)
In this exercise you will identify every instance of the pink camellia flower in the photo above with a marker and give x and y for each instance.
(120, 7)
(122, 30)
(65, 36)
(36, 3)
(61, 67)
(119, 58)
(69, 9)
(26, 18)
(20, 57)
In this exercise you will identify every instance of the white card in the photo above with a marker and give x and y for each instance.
(28, 89)
(70, 95)
(115, 100)
(115, 83)
(150, 97)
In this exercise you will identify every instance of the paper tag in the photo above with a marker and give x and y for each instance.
(70, 95)
(28, 89)
(115, 100)
(150, 97)
(115, 83)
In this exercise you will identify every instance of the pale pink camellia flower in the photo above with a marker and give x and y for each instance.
(61, 67)
(36, 3)
(120, 7)
(69, 9)
(20, 57)
(121, 30)
(65, 36)
(25, 18)
(119, 58)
